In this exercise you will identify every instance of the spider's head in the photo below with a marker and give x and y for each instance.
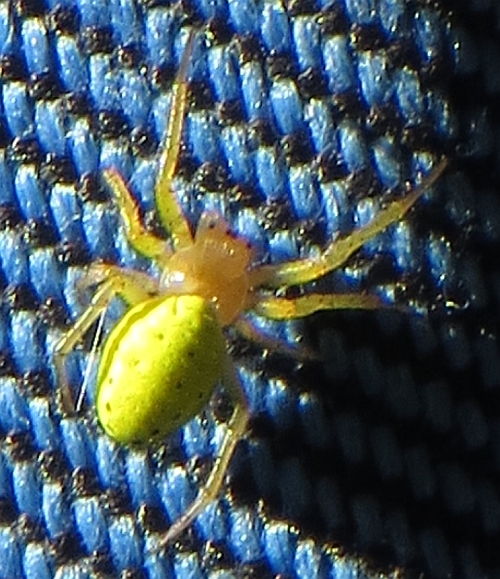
(215, 267)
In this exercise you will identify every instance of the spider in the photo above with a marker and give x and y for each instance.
(161, 362)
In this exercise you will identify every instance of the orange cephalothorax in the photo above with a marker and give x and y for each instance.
(215, 266)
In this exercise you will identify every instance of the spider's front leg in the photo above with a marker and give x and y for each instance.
(139, 238)
(169, 209)
(278, 308)
(337, 252)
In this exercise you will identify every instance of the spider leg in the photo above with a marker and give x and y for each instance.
(169, 209)
(139, 238)
(236, 429)
(249, 331)
(338, 251)
(130, 285)
(278, 308)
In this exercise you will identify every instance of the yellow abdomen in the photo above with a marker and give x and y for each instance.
(159, 367)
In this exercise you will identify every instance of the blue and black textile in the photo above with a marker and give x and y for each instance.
(305, 118)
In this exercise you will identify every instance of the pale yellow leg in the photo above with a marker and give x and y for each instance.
(284, 309)
(130, 285)
(337, 252)
(236, 429)
(169, 210)
(139, 238)
(250, 332)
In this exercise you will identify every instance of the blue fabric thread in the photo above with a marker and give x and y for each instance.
(51, 502)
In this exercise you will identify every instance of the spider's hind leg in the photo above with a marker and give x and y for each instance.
(132, 286)
(235, 431)
(251, 332)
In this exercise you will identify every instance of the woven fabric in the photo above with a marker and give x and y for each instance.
(305, 118)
